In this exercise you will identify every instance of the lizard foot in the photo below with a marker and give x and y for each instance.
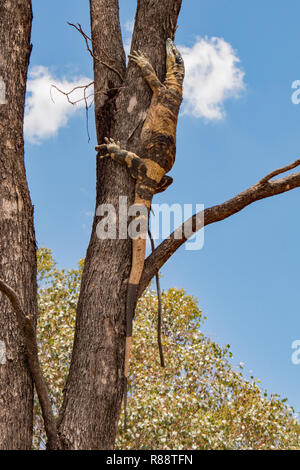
(110, 145)
(139, 58)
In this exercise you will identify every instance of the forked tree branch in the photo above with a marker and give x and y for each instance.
(261, 190)
(26, 326)
(277, 172)
(85, 99)
(69, 93)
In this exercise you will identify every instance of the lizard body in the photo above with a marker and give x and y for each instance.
(159, 148)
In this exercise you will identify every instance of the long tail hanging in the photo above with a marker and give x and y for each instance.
(159, 311)
(130, 306)
(138, 248)
(138, 259)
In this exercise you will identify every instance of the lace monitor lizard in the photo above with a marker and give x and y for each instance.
(159, 148)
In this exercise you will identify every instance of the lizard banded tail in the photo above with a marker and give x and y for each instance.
(137, 266)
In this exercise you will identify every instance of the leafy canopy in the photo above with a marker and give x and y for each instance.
(199, 401)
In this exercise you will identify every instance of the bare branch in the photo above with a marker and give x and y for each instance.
(26, 326)
(263, 189)
(85, 99)
(67, 94)
(87, 39)
(284, 169)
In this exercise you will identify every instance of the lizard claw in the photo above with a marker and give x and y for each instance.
(138, 57)
(100, 147)
(110, 145)
(133, 56)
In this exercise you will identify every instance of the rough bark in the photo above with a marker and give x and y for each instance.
(17, 239)
(93, 394)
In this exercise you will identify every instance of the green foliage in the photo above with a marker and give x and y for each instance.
(57, 299)
(197, 402)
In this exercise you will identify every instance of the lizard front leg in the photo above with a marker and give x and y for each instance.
(135, 164)
(147, 70)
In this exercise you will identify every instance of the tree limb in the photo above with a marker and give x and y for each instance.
(261, 190)
(26, 326)
(107, 41)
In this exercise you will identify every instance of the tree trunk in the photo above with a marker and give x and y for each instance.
(17, 239)
(94, 390)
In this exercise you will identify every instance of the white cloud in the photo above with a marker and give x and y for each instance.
(212, 76)
(128, 28)
(129, 25)
(45, 116)
(127, 46)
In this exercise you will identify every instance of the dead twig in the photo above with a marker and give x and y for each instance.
(85, 99)
(25, 323)
(67, 94)
(87, 39)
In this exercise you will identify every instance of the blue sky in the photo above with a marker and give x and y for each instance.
(246, 277)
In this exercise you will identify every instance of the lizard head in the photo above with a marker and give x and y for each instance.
(174, 60)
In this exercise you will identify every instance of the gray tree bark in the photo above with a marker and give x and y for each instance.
(17, 239)
(94, 389)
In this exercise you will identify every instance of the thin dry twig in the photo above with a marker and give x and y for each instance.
(87, 39)
(67, 94)
(26, 326)
(85, 99)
